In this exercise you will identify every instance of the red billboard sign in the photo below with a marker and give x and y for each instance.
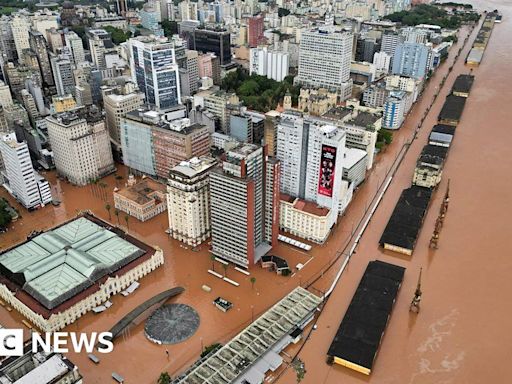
(327, 168)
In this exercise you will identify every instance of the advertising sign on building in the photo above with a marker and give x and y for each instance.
(327, 169)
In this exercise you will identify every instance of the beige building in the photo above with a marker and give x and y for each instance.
(63, 103)
(118, 101)
(80, 145)
(304, 219)
(217, 103)
(143, 199)
(188, 200)
(80, 264)
(316, 102)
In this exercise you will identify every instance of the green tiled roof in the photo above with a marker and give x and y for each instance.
(58, 264)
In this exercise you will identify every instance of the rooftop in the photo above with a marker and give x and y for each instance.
(364, 119)
(452, 108)
(352, 157)
(463, 84)
(194, 166)
(305, 206)
(143, 192)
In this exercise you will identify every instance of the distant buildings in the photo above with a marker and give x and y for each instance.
(188, 200)
(154, 69)
(241, 232)
(81, 146)
(20, 179)
(324, 60)
(272, 64)
(141, 199)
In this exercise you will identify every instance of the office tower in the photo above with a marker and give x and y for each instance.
(238, 194)
(411, 59)
(217, 103)
(100, 42)
(151, 17)
(26, 185)
(40, 48)
(389, 42)
(272, 64)
(188, 10)
(30, 106)
(217, 41)
(382, 61)
(7, 44)
(154, 69)
(5, 95)
(81, 146)
(20, 26)
(324, 60)
(256, 26)
(55, 40)
(246, 127)
(17, 75)
(63, 74)
(117, 102)
(188, 200)
(189, 74)
(394, 110)
(74, 42)
(153, 145)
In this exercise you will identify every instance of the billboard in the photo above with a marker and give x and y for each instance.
(327, 169)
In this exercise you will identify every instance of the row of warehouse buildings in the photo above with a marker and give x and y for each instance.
(404, 225)
(476, 53)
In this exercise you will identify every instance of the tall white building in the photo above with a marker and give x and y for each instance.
(5, 95)
(154, 69)
(63, 74)
(26, 185)
(272, 64)
(20, 25)
(324, 60)
(74, 42)
(81, 146)
(188, 200)
(382, 61)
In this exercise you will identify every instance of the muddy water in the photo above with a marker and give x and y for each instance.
(462, 334)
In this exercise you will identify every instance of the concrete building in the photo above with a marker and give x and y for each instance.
(375, 95)
(63, 74)
(324, 60)
(153, 145)
(75, 44)
(154, 69)
(81, 146)
(246, 127)
(188, 200)
(20, 26)
(100, 42)
(390, 41)
(272, 64)
(411, 59)
(63, 103)
(256, 26)
(394, 110)
(217, 103)
(80, 264)
(238, 198)
(354, 166)
(39, 367)
(20, 179)
(213, 40)
(55, 40)
(5, 95)
(118, 101)
(316, 101)
(40, 48)
(143, 199)
(189, 74)
(382, 61)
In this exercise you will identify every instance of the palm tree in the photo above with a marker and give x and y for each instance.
(225, 266)
(107, 207)
(103, 190)
(253, 280)
(94, 184)
(212, 258)
(164, 378)
(116, 212)
(126, 218)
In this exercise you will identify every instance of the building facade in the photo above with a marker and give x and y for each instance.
(143, 199)
(272, 64)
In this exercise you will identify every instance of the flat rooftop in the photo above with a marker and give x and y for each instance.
(194, 166)
(352, 157)
(359, 335)
(144, 191)
(364, 119)
(452, 108)
(463, 83)
(54, 270)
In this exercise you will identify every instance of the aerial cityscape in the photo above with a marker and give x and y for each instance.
(253, 191)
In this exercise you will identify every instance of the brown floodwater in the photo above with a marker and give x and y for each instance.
(461, 334)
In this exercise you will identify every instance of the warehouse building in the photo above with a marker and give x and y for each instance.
(462, 85)
(441, 135)
(451, 112)
(58, 276)
(429, 167)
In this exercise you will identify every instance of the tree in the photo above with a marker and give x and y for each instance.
(126, 218)
(253, 280)
(107, 207)
(225, 267)
(116, 212)
(300, 368)
(118, 35)
(103, 187)
(170, 28)
(164, 378)
(5, 217)
(212, 258)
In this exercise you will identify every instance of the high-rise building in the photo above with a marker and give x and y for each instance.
(100, 42)
(26, 185)
(63, 74)
(5, 95)
(154, 69)
(80, 145)
(153, 145)
(324, 60)
(213, 40)
(55, 39)
(121, 7)
(75, 44)
(118, 101)
(382, 61)
(217, 103)
(7, 44)
(189, 74)
(273, 64)
(40, 48)
(188, 200)
(389, 42)
(20, 25)
(411, 59)
(240, 229)
(256, 26)
(394, 110)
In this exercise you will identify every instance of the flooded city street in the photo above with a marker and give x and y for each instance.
(461, 334)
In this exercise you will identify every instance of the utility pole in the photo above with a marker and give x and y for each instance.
(415, 303)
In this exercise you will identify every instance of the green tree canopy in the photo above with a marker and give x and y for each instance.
(118, 35)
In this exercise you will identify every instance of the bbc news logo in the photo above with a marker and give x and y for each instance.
(11, 342)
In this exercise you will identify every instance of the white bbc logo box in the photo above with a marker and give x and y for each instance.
(11, 342)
